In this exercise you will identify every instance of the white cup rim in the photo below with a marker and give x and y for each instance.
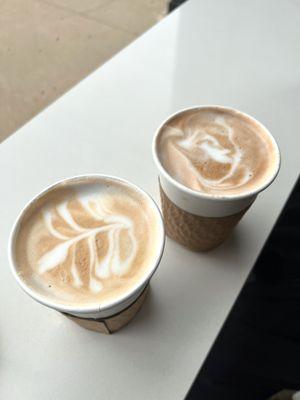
(215, 197)
(84, 309)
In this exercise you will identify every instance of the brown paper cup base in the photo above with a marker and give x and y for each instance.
(114, 323)
(195, 232)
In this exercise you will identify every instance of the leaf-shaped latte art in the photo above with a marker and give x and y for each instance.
(99, 262)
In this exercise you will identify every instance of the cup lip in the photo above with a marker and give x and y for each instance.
(85, 309)
(207, 196)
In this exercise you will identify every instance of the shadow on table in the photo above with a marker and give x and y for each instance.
(257, 352)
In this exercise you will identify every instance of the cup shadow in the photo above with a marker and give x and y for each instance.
(144, 319)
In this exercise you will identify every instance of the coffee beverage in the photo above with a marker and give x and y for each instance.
(87, 241)
(217, 151)
(213, 161)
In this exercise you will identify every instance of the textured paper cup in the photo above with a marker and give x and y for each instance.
(197, 220)
(114, 322)
(112, 315)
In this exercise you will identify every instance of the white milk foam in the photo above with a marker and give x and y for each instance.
(213, 152)
(111, 225)
(91, 240)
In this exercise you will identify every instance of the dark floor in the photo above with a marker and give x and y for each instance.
(175, 3)
(258, 350)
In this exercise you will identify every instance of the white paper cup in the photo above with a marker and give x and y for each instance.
(195, 212)
(97, 311)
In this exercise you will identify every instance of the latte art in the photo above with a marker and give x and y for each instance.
(215, 151)
(98, 263)
(88, 243)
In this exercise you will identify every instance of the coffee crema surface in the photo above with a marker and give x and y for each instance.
(87, 242)
(217, 151)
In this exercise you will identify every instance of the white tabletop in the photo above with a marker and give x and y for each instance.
(244, 54)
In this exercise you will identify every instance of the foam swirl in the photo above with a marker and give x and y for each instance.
(213, 151)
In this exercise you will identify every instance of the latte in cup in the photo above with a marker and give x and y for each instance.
(213, 161)
(217, 151)
(87, 242)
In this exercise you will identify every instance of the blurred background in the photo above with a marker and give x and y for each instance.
(47, 46)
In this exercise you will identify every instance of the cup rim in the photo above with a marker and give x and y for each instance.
(207, 196)
(84, 309)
